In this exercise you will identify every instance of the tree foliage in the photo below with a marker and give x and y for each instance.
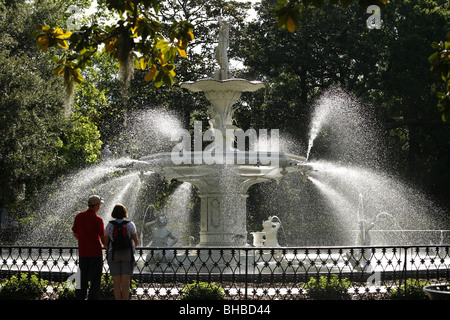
(386, 69)
(289, 12)
(38, 142)
(137, 39)
(328, 45)
(440, 65)
(289, 16)
(100, 96)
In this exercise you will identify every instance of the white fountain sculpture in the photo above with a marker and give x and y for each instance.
(268, 237)
(161, 238)
(223, 185)
(221, 50)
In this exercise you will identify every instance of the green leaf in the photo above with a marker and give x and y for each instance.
(143, 63)
(162, 45)
(318, 3)
(151, 74)
(433, 57)
(159, 79)
(435, 45)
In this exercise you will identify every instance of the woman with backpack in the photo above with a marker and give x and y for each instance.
(121, 241)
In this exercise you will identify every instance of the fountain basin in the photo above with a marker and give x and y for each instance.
(222, 94)
(223, 188)
(438, 292)
(241, 160)
(233, 84)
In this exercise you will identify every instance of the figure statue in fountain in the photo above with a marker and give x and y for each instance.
(268, 236)
(106, 153)
(270, 229)
(160, 238)
(221, 51)
(363, 235)
(360, 260)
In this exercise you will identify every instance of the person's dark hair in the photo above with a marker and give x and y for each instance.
(119, 211)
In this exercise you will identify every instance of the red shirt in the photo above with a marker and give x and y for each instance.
(89, 227)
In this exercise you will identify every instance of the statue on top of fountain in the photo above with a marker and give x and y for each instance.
(221, 51)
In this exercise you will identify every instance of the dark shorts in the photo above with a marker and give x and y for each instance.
(121, 262)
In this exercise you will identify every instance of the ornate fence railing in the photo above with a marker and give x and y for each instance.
(247, 272)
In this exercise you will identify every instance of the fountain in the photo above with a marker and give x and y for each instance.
(222, 172)
(318, 209)
(325, 202)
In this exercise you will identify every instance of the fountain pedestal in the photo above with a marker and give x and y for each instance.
(223, 209)
(220, 223)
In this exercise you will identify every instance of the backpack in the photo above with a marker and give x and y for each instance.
(121, 240)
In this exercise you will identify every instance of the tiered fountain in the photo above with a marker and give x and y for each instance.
(222, 172)
(322, 211)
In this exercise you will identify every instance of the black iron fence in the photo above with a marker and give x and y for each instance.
(248, 272)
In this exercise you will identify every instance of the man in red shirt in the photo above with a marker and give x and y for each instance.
(88, 228)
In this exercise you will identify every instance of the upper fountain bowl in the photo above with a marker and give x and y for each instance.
(222, 94)
(228, 85)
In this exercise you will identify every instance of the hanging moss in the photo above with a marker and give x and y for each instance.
(125, 57)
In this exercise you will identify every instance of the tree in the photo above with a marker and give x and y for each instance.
(440, 65)
(289, 12)
(101, 99)
(138, 38)
(38, 143)
(332, 47)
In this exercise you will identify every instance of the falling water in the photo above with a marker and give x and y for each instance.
(341, 205)
(349, 183)
(124, 190)
(177, 210)
(150, 131)
(383, 195)
(65, 198)
(311, 211)
(115, 180)
(232, 199)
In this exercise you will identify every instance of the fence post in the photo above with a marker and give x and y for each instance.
(246, 274)
(404, 266)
